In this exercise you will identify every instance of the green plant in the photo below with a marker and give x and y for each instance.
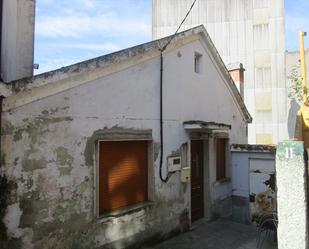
(296, 90)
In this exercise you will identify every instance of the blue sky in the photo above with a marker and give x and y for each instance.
(296, 19)
(67, 33)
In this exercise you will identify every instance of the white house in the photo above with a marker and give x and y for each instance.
(81, 146)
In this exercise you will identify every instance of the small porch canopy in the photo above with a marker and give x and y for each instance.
(207, 127)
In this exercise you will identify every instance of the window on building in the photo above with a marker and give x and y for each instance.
(123, 174)
(258, 4)
(221, 158)
(263, 77)
(263, 117)
(263, 101)
(261, 36)
(264, 138)
(197, 63)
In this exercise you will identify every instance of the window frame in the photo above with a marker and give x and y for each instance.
(258, 4)
(150, 179)
(260, 77)
(198, 57)
(226, 155)
(261, 36)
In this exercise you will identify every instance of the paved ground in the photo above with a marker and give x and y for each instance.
(219, 234)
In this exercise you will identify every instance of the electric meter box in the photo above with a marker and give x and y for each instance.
(185, 174)
(174, 163)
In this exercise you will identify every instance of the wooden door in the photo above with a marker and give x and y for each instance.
(197, 180)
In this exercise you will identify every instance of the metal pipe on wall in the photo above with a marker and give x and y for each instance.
(161, 122)
(303, 66)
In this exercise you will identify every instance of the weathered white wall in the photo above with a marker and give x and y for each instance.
(17, 41)
(45, 149)
(238, 30)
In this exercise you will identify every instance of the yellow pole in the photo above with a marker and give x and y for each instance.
(303, 65)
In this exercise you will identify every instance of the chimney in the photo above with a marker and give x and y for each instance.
(236, 71)
(17, 39)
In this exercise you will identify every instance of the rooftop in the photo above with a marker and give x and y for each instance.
(254, 147)
(75, 71)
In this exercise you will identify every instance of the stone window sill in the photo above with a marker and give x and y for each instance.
(124, 211)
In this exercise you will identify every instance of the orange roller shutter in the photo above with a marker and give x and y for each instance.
(122, 174)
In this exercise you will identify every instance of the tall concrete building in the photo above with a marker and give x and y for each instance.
(248, 31)
(17, 39)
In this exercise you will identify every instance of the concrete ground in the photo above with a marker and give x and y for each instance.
(219, 234)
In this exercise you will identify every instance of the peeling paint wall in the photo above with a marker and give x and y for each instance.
(49, 152)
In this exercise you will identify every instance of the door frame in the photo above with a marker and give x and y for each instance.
(206, 178)
(199, 180)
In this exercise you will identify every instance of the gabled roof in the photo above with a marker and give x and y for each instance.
(74, 71)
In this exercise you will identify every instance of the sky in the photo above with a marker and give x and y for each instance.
(296, 19)
(68, 32)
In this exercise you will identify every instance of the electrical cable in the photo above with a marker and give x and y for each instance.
(161, 93)
(172, 37)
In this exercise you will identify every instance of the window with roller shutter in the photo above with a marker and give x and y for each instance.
(122, 174)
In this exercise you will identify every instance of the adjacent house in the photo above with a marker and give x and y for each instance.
(120, 149)
(253, 181)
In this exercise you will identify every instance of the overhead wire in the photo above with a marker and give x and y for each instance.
(161, 92)
(179, 27)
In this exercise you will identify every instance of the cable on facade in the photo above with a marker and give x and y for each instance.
(161, 93)
(179, 27)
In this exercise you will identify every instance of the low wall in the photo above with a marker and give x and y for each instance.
(253, 181)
